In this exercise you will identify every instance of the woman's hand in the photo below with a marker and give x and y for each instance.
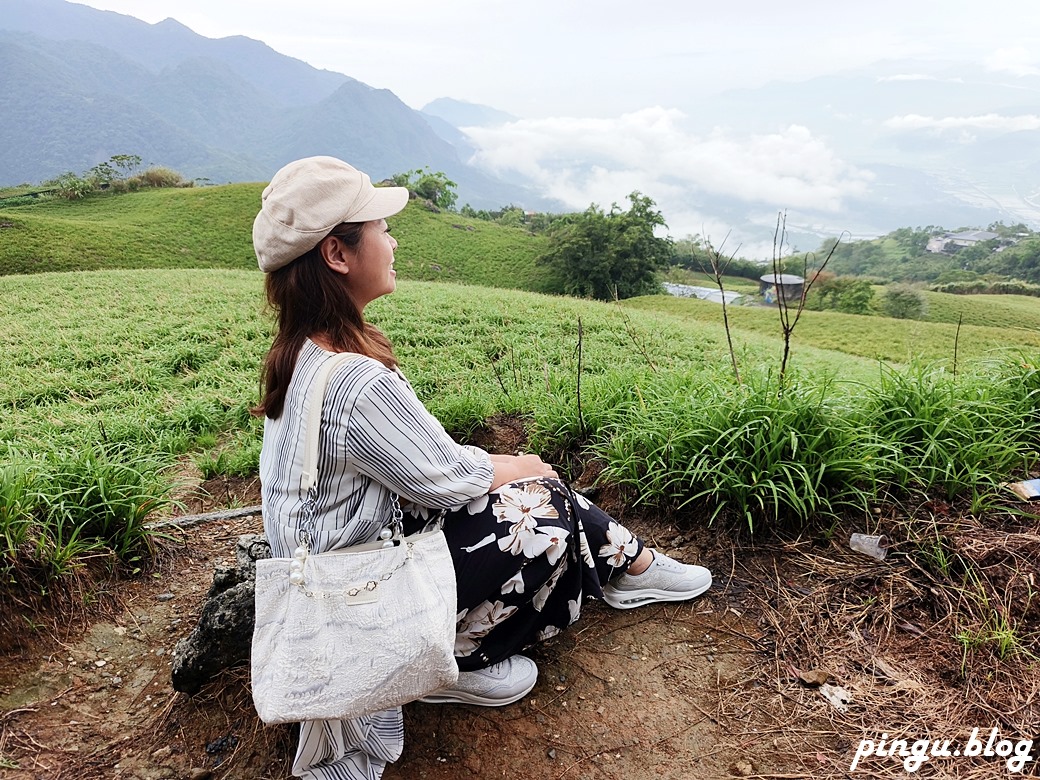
(509, 468)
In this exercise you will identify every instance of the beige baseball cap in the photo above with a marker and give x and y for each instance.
(307, 198)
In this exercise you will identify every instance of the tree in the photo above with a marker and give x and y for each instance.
(912, 241)
(903, 302)
(604, 255)
(118, 167)
(433, 186)
(1021, 261)
(841, 293)
(691, 253)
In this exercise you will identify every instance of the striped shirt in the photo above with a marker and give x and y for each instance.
(375, 438)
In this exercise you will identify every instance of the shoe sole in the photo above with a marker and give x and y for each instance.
(630, 599)
(461, 697)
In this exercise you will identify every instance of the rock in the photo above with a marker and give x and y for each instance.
(742, 769)
(201, 773)
(838, 697)
(814, 678)
(224, 634)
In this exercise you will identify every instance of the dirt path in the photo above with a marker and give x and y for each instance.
(624, 694)
(666, 692)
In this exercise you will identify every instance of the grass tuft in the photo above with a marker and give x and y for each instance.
(748, 451)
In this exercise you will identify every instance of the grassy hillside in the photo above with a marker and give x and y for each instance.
(154, 356)
(999, 322)
(164, 228)
(1015, 313)
(210, 227)
(451, 248)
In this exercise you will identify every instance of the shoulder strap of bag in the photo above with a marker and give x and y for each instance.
(309, 478)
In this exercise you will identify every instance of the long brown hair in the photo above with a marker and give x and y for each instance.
(309, 298)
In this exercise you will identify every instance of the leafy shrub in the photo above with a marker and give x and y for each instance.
(72, 187)
(16, 508)
(89, 498)
(903, 302)
(158, 176)
(846, 294)
(124, 185)
(61, 508)
(988, 287)
(435, 187)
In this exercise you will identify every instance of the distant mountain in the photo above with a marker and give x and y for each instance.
(78, 85)
(900, 143)
(459, 113)
(288, 81)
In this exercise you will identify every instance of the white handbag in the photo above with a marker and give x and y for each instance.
(350, 632)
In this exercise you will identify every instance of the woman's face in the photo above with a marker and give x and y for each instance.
(371, 273)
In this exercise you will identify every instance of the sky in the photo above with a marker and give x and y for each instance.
(615, 81)
(545, 58)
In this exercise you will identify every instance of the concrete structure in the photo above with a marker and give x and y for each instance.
(775, 288)
(963, 239)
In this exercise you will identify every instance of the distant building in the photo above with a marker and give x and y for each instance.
(963, 239)
(777, 287)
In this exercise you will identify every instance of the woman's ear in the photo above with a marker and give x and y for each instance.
(337, 255)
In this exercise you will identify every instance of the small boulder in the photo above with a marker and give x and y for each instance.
(224, 634)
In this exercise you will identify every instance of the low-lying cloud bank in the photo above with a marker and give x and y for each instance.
(587, 160)
(996, 122)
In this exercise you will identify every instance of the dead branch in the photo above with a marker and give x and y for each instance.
(719, 264)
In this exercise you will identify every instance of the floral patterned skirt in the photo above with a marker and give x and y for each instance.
(525, 556)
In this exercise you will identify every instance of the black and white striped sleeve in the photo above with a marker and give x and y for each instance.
(393, 439)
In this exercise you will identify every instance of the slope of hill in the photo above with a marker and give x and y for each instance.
(210, 227)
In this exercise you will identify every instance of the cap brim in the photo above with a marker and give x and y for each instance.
(385, 202)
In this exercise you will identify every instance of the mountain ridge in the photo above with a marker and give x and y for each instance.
(80, 85)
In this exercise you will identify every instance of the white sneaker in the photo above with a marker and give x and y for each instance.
(505, 682)
(664, 580)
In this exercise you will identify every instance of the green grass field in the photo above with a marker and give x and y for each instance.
(1018, 315)
(992, 326)
(160, 357)
(147, 350)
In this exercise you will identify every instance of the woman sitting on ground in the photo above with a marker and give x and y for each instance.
(527, 550)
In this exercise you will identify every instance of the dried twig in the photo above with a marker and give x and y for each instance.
(633, 337)
(719, 264)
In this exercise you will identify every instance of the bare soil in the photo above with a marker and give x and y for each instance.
(726, 686)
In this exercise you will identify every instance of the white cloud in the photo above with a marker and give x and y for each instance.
(981, 122)
(1016, 60)
(908, 77)
(590, 160)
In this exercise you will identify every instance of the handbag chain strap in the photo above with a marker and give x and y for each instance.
(368, 587)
